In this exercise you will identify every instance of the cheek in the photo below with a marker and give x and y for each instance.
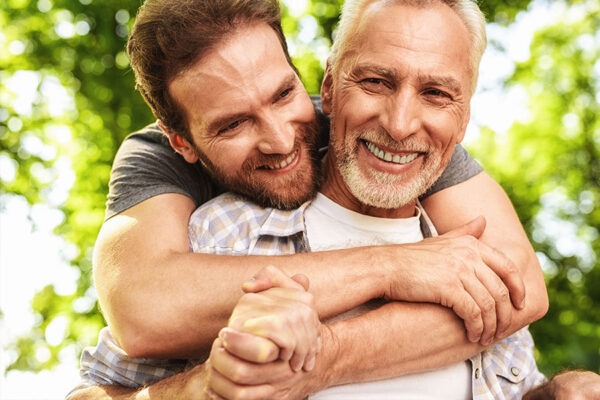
(229, 156)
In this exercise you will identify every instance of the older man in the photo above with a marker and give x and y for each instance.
(399, 101)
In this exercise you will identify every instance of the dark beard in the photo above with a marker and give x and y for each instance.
(292, 192)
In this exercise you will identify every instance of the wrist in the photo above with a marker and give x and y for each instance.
(324, 373)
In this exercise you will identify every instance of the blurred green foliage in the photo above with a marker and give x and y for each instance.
(79, 103)
(550, 166)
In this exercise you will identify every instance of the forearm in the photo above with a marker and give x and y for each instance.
(163, 301)
(394, 340)
(186, 385)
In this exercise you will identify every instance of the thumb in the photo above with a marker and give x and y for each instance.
(473, 228)
(271, 276)
(302, 280)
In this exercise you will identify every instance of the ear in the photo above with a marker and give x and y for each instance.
(326, 90)
(463, 128)
(179, 144)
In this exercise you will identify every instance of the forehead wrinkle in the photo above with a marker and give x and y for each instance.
(242, 109)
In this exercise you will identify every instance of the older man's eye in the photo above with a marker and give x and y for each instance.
(437, 93)
(375, 85)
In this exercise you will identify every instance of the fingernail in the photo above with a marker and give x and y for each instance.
(223, 337)
(310, 364)
(296, 366)
(522, 305)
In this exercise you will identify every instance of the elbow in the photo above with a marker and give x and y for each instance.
(141, 340)
(537, 302)
(542, 305)
(135, 345)
(156, 338)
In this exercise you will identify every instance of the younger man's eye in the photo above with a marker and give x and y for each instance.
(285, 93)
(231, 126)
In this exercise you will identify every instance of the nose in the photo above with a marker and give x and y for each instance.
(402, 117)
(277, 136)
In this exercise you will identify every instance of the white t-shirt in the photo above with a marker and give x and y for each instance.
(330, 226)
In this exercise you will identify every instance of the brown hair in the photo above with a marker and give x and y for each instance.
(169, 36)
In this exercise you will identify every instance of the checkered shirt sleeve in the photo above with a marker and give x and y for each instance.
(232, 225)
(108, 364)
(506, 370)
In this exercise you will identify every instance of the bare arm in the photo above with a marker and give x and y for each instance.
(183, 386)
(387, 335)
(161, 300)
(151, 287)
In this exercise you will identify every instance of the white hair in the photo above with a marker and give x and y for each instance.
(467, 10)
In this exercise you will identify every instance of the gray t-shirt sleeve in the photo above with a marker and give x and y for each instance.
(460, 168)
(146, 166)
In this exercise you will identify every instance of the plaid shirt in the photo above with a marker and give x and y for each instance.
(231, 225)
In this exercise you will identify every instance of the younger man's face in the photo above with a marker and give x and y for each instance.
(251, 120)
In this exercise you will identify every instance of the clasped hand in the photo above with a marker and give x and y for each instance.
(273, 336)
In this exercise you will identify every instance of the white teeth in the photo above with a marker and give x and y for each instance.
(389, 157)
(283, 163)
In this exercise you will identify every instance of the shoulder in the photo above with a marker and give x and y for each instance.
(225, 224)
(231, 224)
(147, 140)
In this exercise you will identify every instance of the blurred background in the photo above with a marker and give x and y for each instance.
(67, 100)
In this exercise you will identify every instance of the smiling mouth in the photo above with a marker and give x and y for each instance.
(282, 164)
(390, 157)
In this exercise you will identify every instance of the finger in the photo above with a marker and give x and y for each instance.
(302, 280)
(500, 293)
(209, 394)
(269, 277)
(249, 347)
(507, 271)
(473, 228)
(221, 386)
(245, 373)
(464, 305)
(487, 307)
(294, 332)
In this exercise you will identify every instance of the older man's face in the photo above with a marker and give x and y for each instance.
(251, 120)
(399, 103)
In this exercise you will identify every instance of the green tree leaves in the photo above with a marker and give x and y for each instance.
(550, 166)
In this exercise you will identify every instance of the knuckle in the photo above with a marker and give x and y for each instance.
(474, 313)
(240, 374)
(308, 298)
(503, 294)
(488, 305)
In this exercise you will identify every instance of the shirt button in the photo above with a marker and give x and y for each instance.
(477, 373)
(515, 371)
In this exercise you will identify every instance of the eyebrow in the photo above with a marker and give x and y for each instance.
(363, 69)
(290, 80)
